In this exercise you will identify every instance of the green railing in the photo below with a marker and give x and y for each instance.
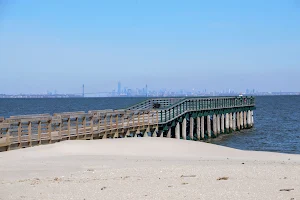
(149, 103)
(202, 104)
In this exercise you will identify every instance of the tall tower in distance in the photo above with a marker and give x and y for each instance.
(83, 90)
(119, 88)
(146, 90)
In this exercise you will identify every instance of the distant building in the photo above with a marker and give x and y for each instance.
(119, 88)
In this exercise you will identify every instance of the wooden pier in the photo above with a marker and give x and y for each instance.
(181, 118)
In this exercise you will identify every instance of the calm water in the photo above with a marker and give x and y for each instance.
(277, 119)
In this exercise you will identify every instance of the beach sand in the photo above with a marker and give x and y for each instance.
(146, 168)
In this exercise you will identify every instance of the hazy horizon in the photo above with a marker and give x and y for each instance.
(216, 45)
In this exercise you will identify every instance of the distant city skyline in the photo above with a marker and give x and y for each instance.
(125, 91)
(166, 44)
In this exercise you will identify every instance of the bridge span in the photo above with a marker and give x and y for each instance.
(181, 118)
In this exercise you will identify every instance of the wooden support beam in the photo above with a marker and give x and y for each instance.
(116, 135)
(111, 122)
(105, 127)
(84, 126)
(19, 134)
(77, 128)
(59, 130)
(39, 132)
(123, 121)
(7, 139)
(49, 129)
(143, 124)
(69, 128)
(29, 134)
(99, 124)
(92, 127)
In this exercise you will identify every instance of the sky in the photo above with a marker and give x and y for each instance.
(212, 45)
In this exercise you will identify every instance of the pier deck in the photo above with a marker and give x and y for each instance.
(185, 118)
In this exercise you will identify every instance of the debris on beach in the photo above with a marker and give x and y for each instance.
(286, 190)
(223, 178)
(188, 176)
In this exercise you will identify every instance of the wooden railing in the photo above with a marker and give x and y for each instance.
(200, 104)
(28, 129)
(149, 103)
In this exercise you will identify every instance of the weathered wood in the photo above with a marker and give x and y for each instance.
(77, 128)
(4, 125)
(19, 134)
(50, 131)
(39, 132)
(29, 134)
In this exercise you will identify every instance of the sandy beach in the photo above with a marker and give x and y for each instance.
(146, 168)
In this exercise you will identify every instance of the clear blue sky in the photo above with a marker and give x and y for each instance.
(215, 45)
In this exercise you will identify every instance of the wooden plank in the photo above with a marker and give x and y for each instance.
(4, 125)
(29, 116)
(69, 113)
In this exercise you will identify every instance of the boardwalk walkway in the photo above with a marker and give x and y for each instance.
(186, 118)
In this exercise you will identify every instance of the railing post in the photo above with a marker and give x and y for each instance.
(84, 126)
(8, 138)
(77, 131)
(104, 126)
(157, 118)
(123, 120)
(92, 127)
(29, 133)
(19, 134)
(59, 131)
(148, 118)
(143, 124)
(173, 113)
(165, 115)
(128, 121)
(69, 127)
(50, 130)
(110, 122)
(99, 122)
(133, 119)
(116, 135)
(39, 131)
